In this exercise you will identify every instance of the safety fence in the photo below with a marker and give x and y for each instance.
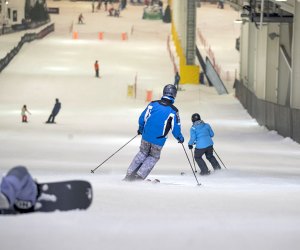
(172, 55)
(225, 75)
(21, 27)
(139, 92)
(142, 31)
(101, 35)
(28, 37)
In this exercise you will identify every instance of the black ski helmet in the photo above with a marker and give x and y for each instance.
(170, 90)
(196, 117)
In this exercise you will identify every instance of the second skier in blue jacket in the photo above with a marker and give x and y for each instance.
(156, 121)
(201, 135)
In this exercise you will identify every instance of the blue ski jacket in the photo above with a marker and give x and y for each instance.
(56, 108)
(201, 134)
(158, 119)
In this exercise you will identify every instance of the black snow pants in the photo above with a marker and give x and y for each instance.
(199, 152)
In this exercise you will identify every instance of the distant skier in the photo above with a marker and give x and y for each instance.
(80, 19)
(93, 6)
(155, 122)
(105, 4)
(99, 4)
(177, 80)
(24, 112)
(122, 5)
(220, 4)
(200, 135)
(55, 111)
(18, 190)
(96, 67)
(167, 15)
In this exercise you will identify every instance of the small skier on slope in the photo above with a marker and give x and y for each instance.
(55, 111)
(80, 19)
(24, 112)
(96, 67)
(155, 122)
(200, 135)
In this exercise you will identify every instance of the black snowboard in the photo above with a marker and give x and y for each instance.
(61, 196)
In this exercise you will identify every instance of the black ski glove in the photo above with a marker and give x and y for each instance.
(190, 146)
(140, 131)
(180, 139)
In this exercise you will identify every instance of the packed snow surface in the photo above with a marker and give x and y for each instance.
(252, 204)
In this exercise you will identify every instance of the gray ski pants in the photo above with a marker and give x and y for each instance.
(19, 185)
(145, 159)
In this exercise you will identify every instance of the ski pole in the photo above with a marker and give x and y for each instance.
(93, 171)
(194, 161)
(219, 158)
(190, 164)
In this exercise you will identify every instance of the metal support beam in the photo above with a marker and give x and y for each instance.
(184, 36)
(191, 32)
(295, 88)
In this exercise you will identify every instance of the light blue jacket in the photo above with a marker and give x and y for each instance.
(201, 134)
(158, 119)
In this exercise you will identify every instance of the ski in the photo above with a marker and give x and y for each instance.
(153, 180)
(157, 181)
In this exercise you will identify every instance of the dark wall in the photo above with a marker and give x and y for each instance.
(284, 120)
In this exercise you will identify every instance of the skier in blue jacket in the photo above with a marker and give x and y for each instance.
(201, 135)
(18, 190)
(155, 122)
